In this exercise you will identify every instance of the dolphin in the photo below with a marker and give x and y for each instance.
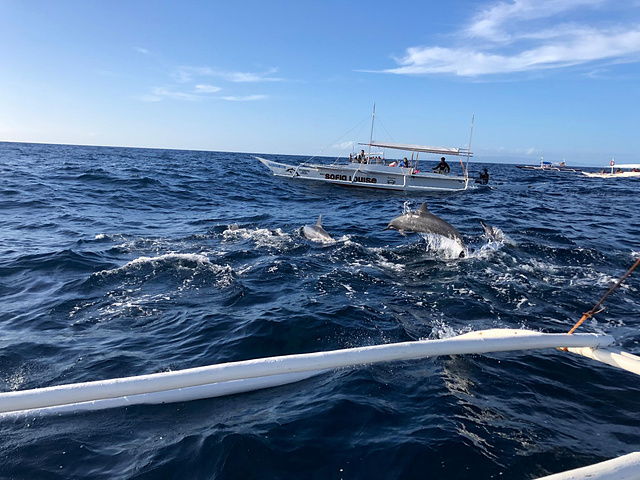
(316, 232)
(491, 232)
(494, 234)
(422, 220)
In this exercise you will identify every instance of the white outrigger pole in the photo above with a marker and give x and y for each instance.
(248, 375)
(236, 377)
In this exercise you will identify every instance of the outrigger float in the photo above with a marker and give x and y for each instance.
(237, 377)
(248, 375)
(375, 172)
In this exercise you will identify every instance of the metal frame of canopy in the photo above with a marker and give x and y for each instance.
(417, 149)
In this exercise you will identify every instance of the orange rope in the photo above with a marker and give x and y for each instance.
(593, 311)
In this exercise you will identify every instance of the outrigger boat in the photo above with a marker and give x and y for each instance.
(624, 170)
(375, 172)
(548, 166)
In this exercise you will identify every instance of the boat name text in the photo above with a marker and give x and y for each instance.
(344, 178)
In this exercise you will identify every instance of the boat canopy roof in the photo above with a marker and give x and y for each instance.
(421, 148)
(626, 165)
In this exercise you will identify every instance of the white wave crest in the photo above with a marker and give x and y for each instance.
(179, 260)
(263, 237)
(189, 263)
(446, 246)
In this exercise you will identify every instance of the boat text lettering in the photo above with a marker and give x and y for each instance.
(344, 178)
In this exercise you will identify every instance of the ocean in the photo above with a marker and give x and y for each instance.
(119, 261)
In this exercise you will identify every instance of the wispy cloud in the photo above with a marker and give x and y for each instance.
(496, 21)
(345, 145)
(163, 92)
(191, 84)
(199, 93)
(144, 51)
(244, 98)
(207, 88)
(202, 92)
(522, 36)
(187, 74)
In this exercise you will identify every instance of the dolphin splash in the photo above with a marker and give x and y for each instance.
(317, 233)
(422, 220)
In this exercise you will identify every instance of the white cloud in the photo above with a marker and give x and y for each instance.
(186, 74)
(508, 37)
(345, 145)
(245, 98)
(207, 89)
(494, 22)
(144, 51)
(162, 92)
(150, 98)
(189, 85)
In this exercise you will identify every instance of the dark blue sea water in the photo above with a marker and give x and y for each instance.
(118, 262)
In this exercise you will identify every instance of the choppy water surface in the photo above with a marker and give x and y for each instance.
(118, 262)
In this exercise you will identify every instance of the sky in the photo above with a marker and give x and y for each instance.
(552, 78)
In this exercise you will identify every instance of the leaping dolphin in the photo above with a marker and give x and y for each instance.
(422, 220)
(316, 232)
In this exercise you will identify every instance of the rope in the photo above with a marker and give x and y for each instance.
(336, 141)
(595, 310)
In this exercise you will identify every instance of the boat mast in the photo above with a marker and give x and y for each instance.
(373, 117)
(466, 173)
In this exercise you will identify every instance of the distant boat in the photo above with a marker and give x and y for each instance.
(370, 170)
(624, 170)
(548, 166)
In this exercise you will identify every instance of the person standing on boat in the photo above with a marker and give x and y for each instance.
(442, 167)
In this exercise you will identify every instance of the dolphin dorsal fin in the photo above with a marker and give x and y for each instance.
(319, 224)
(423, 208)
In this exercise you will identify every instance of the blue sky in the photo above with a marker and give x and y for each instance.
(552, 78)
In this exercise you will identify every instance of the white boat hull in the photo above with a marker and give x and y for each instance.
(613, 175)
(370, 176)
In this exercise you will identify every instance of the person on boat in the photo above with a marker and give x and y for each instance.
(351, 158)
(483, 177)
(405, 163)
(442, 167)
(361, 157)
(619, 170)
(603, 171)
(393, 164)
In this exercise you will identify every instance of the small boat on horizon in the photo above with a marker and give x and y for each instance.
(372, 170)
(548, 166)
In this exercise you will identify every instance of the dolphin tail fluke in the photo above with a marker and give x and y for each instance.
(319, 224)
